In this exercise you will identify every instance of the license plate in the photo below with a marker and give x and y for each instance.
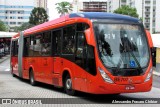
(130, 87)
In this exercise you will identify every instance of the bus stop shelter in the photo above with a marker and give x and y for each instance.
(156, 43)
(5, 39)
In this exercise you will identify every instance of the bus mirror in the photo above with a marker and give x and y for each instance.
(89, 36)
(153, 54)
(149, 39)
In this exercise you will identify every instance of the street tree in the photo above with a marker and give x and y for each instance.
(3, 26)
(23, 27)
(63, 7)
(38, 16)
(126, 10)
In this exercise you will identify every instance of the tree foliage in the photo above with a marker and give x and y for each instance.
(23, 27)
(63, 7)
(38, 16)
(3, 27)
(126, 10)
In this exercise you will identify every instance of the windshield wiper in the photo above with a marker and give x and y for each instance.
(132, 54)
(139, 66)
(127, 49)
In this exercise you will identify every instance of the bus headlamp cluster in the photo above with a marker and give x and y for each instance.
(105, 76)
(149, 75)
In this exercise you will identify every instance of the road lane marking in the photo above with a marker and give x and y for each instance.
(7, 69)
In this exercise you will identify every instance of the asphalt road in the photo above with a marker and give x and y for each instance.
(13, 87)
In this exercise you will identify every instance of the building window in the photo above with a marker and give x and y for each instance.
(19, 23)
(20, 17)
(12, 23)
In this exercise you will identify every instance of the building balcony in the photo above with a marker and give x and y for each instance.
(147, 22)
(147, 12)
(94, 10)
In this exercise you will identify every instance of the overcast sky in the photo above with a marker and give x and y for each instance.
(51, 8)
(53, 14)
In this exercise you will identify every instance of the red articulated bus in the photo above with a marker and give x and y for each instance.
(93, 52)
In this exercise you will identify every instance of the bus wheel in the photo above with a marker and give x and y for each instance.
(68, 86)
(31, 77)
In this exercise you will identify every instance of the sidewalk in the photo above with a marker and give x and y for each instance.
(156, 73)
(4, 58)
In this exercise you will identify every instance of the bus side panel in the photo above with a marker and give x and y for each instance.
(15, 65)
(47, 69)
(42, 68)
(34, 63)
(25, 68)
(78, 75)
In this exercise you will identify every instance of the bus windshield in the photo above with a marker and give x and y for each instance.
(122, 45)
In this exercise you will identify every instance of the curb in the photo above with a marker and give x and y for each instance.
(4, 58)
(156, 73)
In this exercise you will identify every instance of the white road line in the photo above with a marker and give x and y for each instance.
(7, 69)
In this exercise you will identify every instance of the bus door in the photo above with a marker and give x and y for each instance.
(14, 58)
(57, 60)
(46, 60)
(80, 74)
(26, 54)
(86, 60)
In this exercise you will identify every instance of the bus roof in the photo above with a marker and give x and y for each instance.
(104, 15)
(87, 15)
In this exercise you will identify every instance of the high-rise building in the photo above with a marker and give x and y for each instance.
(41, 3)
(16, 12)
(148, 11)
(115, 4)
(94, 6)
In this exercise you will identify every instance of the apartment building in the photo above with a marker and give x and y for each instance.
(148, 10)
(41, 3)
(94, 6)
(16, 12)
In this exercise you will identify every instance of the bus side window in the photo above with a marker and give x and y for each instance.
(26, 46)
(37, 45)
(46, 44)
(16, 48)
(80, 50)
(56, 42)
(31, 46)
(12, 48)
(68, 40)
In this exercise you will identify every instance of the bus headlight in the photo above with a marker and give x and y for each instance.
(105, 76)
(149, 75)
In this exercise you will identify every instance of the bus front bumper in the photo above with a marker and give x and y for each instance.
(116, 88)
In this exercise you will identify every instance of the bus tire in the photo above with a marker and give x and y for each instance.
(68, 85)
(31, 78)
